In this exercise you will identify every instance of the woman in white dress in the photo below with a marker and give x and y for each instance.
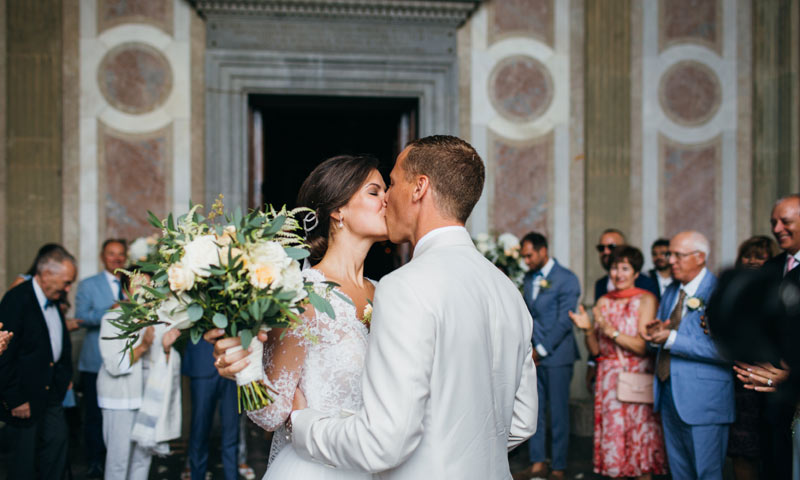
(347, 194)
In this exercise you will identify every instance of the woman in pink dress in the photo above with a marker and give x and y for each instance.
(628, 441)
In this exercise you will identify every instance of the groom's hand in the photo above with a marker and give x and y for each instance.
(299, 401)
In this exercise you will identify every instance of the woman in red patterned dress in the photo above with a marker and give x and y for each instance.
(628, 441)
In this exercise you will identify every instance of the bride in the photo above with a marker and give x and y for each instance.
(347, 193)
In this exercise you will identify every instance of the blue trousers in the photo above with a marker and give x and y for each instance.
(92, 421)
(693, 451)
(553, 387)
(206, 391)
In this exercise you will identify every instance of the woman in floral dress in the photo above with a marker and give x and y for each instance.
(628, 440)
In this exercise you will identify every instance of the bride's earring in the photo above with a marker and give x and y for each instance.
(341, 222)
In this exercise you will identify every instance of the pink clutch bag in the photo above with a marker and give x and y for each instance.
(634, 387)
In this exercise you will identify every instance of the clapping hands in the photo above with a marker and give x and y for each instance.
(656, 332)
(581, 318)
(5, 338)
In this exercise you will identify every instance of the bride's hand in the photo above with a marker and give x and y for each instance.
(299, 401)
(228, 364)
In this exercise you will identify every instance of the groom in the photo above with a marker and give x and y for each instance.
(449, 384)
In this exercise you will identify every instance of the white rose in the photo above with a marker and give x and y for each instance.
(265, 264)
(180, 278)
(200, 254)
(138, 250)
(293, 281)
(508, 242)
(174, 312)
(483, 242)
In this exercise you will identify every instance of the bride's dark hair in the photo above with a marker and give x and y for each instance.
(328, 187)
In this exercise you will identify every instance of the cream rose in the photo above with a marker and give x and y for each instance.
(138, 250)
(180, 278)
(227, 237)
(508, 242)
(200, 254)
(265, 264)
(174, 312)
(292, 280)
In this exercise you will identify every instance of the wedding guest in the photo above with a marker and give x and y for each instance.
(550, 291)
(744, 443)
(36, 370)
(5, 337)
(778, 411)
(628, 441)
(122, 388)
(610, 239)
(694, 384)
(661, 272)
(63, 303)
(95, 296)
(208, 390)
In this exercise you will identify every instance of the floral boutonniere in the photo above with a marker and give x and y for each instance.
(366, 316)
(695, 303)
(544, 284)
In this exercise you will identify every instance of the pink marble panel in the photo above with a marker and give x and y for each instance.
(135, 78)
(690, 93)
(522, 183)
(689, 188)
(135, 179)
(111, 13)
(522, 18)
(520, 88)
(692, 21)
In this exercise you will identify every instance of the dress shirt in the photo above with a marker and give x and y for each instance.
(113, 283)
(435, 233)
(663, 283)
(537, 282)
(690, 289)
(52, 319)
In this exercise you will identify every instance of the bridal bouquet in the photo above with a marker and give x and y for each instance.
(503, 252)
(240, 274)
(143, 249)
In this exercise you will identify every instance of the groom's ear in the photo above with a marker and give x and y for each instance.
(421, 186)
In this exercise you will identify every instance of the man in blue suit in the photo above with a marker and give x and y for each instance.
(96, 295)
(694, 387)
(550, 291)
(208, 388)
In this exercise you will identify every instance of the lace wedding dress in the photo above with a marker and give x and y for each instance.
(325, 360)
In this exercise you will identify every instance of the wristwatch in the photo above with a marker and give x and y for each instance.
(615, 335)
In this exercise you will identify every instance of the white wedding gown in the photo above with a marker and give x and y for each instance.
(328, 371)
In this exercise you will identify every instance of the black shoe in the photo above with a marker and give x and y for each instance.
(94, 471)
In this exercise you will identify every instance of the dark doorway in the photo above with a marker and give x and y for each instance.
(292, 134)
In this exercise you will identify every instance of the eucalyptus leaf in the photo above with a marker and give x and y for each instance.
(297, 253)
(220, 320)
(320, 304)
(344, 297)
(154, 221)
(159, 295)
(195, 312)
(275, 225)
(170, 223)
(246, 336)
(196, 334)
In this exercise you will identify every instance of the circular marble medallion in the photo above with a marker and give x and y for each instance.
(520, 88)
(135, 78)
(690, 93)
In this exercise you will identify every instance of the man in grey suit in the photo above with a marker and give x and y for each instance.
(550, 291)
(96, 295)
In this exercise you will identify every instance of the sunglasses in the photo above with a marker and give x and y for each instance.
(602, 248)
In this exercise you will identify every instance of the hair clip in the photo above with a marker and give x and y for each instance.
(310, 218)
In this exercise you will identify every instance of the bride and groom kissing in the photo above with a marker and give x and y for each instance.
(442, 384)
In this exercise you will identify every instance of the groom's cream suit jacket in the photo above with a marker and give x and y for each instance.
(449, 384)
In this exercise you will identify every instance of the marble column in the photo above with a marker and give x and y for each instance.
(607, 89)
(775, 107)
(33, 139)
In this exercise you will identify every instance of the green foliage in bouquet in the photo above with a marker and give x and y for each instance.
(504, 253)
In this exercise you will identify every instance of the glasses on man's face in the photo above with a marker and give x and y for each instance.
(602, 248)
(681, 255)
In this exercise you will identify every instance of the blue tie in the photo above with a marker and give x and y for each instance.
(120, 295)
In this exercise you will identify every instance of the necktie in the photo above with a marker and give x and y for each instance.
(791, 262)
(120, 294)
(662, 369)
(49, 303)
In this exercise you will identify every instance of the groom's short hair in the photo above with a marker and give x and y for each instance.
(454, 168)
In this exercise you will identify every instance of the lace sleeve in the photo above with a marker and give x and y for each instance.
(284, 355)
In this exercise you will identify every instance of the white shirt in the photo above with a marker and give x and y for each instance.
(435, 233)
(52, 319)
(690, 289)
(113, 283)
(663, 282)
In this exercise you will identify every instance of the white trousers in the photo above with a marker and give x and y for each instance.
(125, 460)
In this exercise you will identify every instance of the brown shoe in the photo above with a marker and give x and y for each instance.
(557, 475)
(531, 472)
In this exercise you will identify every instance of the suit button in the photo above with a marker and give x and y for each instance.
(47, 387)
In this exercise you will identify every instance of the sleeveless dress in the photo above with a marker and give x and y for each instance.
(628, 440)
(325, 359)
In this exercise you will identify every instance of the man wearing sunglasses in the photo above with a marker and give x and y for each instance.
(610, 239)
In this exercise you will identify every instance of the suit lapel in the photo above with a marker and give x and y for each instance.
(39, 317)
(104, 287)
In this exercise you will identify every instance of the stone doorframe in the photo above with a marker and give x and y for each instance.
(376, 48)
